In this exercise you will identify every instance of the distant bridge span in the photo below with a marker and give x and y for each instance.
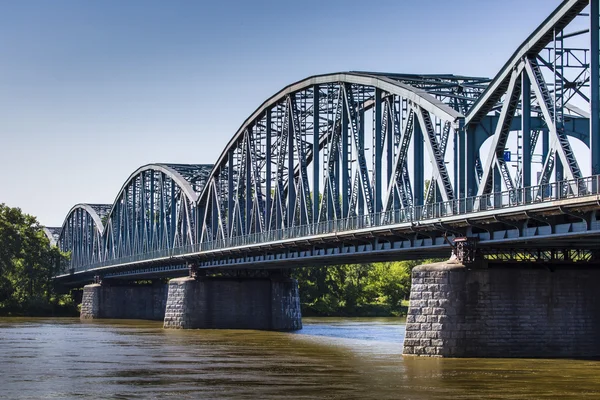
(368, 166)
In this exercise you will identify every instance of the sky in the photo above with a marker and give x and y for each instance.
(92, 90)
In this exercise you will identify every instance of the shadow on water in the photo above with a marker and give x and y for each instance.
(334, 358)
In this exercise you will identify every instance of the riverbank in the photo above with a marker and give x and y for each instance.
(63, 306)
(363, 310)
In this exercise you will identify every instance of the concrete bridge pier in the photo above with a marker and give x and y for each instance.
(269, 302)
(127, 301)
(510, 311)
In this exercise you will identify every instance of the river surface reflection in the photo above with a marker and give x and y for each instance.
(331, 358)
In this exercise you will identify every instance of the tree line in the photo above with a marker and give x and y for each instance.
(27, 265)
(373, 289)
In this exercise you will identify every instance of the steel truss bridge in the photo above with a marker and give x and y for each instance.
(371, 166)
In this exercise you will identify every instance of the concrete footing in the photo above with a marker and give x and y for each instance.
(129, 302)
(230, 303)
(503, 312)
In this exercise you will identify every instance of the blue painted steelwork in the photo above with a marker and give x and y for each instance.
(335, 165)
(81, 234)
(53, 234)
(555, 220)
(595, 85)
(154, 210)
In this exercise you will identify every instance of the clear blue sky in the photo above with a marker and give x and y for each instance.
(91, 90)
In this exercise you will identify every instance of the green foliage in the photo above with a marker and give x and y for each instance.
(27, 264)
(360, 289)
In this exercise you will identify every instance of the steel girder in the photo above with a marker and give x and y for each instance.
(547, 78)
(81, 234)
(332, 147)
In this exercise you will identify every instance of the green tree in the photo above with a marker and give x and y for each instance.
(389, 283)
(27, 263)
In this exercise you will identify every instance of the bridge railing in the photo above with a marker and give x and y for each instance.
(513, 198)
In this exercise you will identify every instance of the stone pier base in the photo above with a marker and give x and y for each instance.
(129, 302)
(503, 312)
(231, 303)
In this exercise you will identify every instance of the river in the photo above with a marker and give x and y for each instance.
(331, 358)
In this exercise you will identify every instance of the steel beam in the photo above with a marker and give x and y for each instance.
(595, 85)
(378, 150)
(418, 161)
(526, 130)
(316, 153)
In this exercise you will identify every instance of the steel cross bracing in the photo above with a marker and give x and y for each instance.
(82, 232)
(538, 103)
(557, 223)
(377, 148)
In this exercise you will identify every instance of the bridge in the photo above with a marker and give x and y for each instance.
(359, 166)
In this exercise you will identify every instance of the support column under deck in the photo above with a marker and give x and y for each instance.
(124, 301)
(511, 311)
(233, 303)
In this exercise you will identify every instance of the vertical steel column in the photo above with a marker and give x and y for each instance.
(545, 146)
(143, 213)
(361, 142)
(268, 153)
(418, 163)
(545, 154)
(390, 137)
(125, 235)
(214, 220)
(161, 222)
(230, 203)
(526, 130)
(315, 151)
(173, 214)
(152, 215)
(470, 153)
(595, 85)
(378, 148)
(71, 241)
(291, 181)
(80, 236)
(462, 152)
(133, 224)
(497, 188)
(279, 200)
(558, 168)
(344, 157)
(248, 178)
(455, 162)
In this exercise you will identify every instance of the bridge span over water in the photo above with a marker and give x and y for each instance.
(365, 166)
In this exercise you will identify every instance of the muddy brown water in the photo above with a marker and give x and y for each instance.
(331, 358)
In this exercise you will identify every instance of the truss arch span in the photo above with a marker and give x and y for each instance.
(53, 234)
(335, 146)
(542, 95)
(81, 233)
(154, 210)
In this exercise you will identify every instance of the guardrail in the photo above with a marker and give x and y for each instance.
(513, 198)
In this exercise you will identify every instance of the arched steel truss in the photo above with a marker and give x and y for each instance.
(53, 234)
(359, 140)
(81, 233)
(154, 210)
(539, 97)
(335, 146)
